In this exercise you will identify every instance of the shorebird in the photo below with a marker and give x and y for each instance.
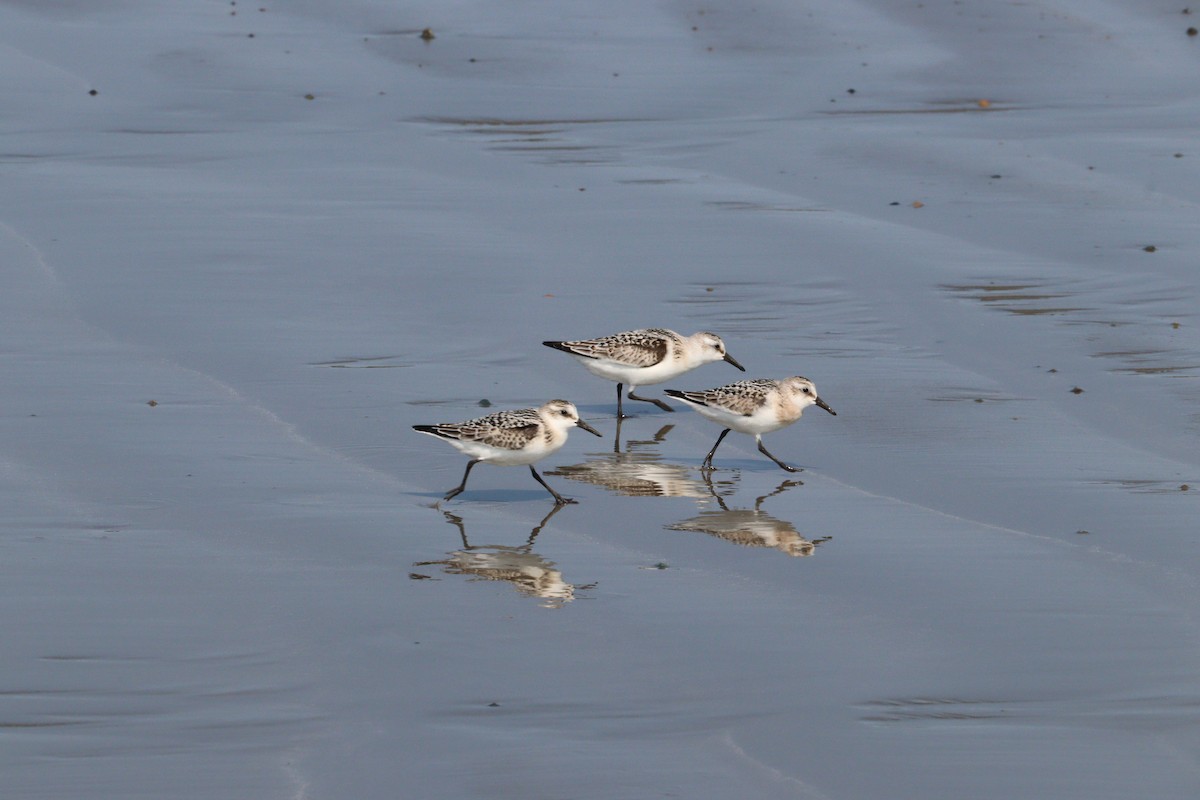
(645, 357)
(755, 407)
(509, 438)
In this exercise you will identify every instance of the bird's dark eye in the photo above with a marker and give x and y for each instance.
(806, 391)
(565, 413)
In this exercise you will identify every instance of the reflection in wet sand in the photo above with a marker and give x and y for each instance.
(531, 574)
(1151, 361)
(361, 362)
(746, 205)
(924, 709)
(1024, 299)
(558, 140)
(951, 107)
(1146, 486)
(751, 527)
(637, 472)
(1149, 305)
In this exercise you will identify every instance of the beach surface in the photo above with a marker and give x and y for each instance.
(245, 246)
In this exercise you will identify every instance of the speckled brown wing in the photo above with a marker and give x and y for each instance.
(641, 348)
(506, 430)
(509, 438)
(743, 397)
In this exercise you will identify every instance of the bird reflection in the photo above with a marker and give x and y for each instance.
(751, 527)
(634, 444)
(637, 472)
(527, 571)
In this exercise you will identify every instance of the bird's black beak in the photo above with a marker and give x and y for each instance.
(588, 428)
(825, 406)
(733, 361)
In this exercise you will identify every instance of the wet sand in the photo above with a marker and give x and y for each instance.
(245, 247)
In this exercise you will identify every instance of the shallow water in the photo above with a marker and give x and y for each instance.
(236, 275)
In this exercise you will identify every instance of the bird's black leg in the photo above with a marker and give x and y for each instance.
(458, 489)
(762, 449)
(708, 458)
(620, 413)
(558, 498)
(654, 400)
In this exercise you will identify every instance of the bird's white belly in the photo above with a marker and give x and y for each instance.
(665, 370)
(536, 450)
(764, 420)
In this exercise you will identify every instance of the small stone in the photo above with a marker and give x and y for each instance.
(427, 35)
(1183, 487)
(1083, 533)
(1150, 248)
(152, 403)
(93, 92)
(1192, 31)
(1076, 390)
(485, 403)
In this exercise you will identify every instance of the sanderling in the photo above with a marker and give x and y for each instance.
(512, 438)
(755, 406)
(645, 357)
